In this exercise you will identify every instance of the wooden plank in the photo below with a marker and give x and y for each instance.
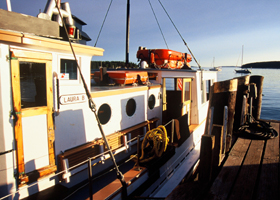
(115, 187)
(217, 131)
(268, 187)
(223, 183)
(206, 157)
(246, 181)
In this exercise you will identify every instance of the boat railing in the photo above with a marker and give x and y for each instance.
(92, 161)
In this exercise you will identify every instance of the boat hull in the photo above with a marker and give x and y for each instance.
(244, 71)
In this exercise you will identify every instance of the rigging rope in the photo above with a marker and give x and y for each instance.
(258, 128)
(180, 35)
(103, 23)
(93, 109)
(158, 24)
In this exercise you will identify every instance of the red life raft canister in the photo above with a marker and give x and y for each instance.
(124, 77)
(163, 58)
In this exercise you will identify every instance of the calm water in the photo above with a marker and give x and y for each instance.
(271, 89)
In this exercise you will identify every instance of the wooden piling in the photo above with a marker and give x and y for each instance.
(257, 103)
(224, 94)
(242, 89)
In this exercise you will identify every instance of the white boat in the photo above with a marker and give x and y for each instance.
(244, 70)
(215, 68)
(48, 132)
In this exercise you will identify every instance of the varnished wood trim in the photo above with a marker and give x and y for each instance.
(47, 43)
(30, 54)
(34, 111)
(164, 101)
(49, 90)
(17, 121)
(36, 174)
(10, 36)
(121, 91)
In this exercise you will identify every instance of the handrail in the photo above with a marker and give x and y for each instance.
(129, 142)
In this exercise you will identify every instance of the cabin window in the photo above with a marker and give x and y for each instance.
(104, 113)
(32, 84)
(151, 101)
(130, 107)
(187, 91)
(69, 69)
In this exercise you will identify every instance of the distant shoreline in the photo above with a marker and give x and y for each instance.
(269, 65)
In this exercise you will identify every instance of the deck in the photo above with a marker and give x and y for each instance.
(250, 171)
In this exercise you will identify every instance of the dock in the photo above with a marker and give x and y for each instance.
(250, 170)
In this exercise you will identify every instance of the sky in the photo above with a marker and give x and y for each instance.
(214, 30)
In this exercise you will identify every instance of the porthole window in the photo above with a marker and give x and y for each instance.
(151, 101)
(104, 113)
(130, 107)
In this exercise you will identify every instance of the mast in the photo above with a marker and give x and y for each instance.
(127, 33)
(242, 57)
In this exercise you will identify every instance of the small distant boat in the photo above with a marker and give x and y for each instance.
(215, 69)
(244, 71)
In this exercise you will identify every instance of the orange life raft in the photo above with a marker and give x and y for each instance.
(164, 58)
(123, 77)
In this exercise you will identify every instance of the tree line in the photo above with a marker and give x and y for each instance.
(111, 64)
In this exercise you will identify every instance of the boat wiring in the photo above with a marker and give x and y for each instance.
(158, 24)
(92, 106)
(179, 34)
(103, 23)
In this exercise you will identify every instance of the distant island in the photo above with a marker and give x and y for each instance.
(270, 64)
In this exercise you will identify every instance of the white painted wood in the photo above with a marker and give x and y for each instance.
(179, 173)
(35, 139)
(66, 175)
(182, 153)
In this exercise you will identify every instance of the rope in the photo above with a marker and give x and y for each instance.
(103, 23)
(93, 109)
(180, 35)
(259, 129)
(157, 138)
(158, 24)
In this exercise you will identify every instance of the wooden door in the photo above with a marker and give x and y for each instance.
(186, 97)
(33, 109)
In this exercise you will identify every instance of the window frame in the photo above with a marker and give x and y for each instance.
(68, 81)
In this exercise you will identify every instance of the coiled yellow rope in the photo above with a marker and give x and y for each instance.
(159, 139)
